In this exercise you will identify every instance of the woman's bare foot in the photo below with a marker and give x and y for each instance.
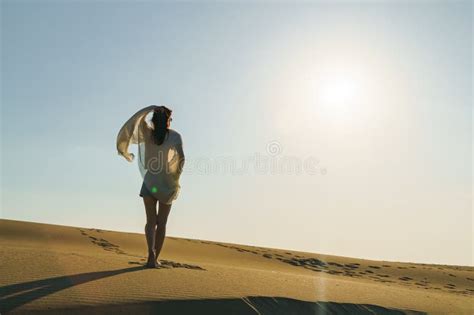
(158, 263)
(151, 263)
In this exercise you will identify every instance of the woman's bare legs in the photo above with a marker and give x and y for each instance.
(150, 208)
(161, 219)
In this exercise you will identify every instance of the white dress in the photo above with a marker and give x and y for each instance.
(160, 165)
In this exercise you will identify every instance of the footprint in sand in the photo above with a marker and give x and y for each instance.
(351, 274)
(168, 264)
(239, 249)
(311, 262)
(405, 278)
(352, 266)
(334, 264)
(106, 245)
(97, 230)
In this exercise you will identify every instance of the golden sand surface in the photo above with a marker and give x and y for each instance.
(78, 270)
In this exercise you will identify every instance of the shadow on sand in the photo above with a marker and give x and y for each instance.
(16, 295)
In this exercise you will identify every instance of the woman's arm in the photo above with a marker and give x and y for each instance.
(181, 158)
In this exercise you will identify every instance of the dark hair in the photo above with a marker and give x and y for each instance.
(160, 124)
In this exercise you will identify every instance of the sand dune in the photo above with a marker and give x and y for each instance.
(62, 269)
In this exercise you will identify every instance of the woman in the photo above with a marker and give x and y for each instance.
(161, 160)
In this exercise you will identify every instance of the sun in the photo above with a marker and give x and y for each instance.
(338, 90)
(339, 93)
(330, 92)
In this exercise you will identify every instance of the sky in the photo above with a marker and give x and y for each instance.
(341, 128)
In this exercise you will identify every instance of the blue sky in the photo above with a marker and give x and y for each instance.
(379, 94)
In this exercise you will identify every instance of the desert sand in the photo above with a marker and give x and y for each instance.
(77, 270)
